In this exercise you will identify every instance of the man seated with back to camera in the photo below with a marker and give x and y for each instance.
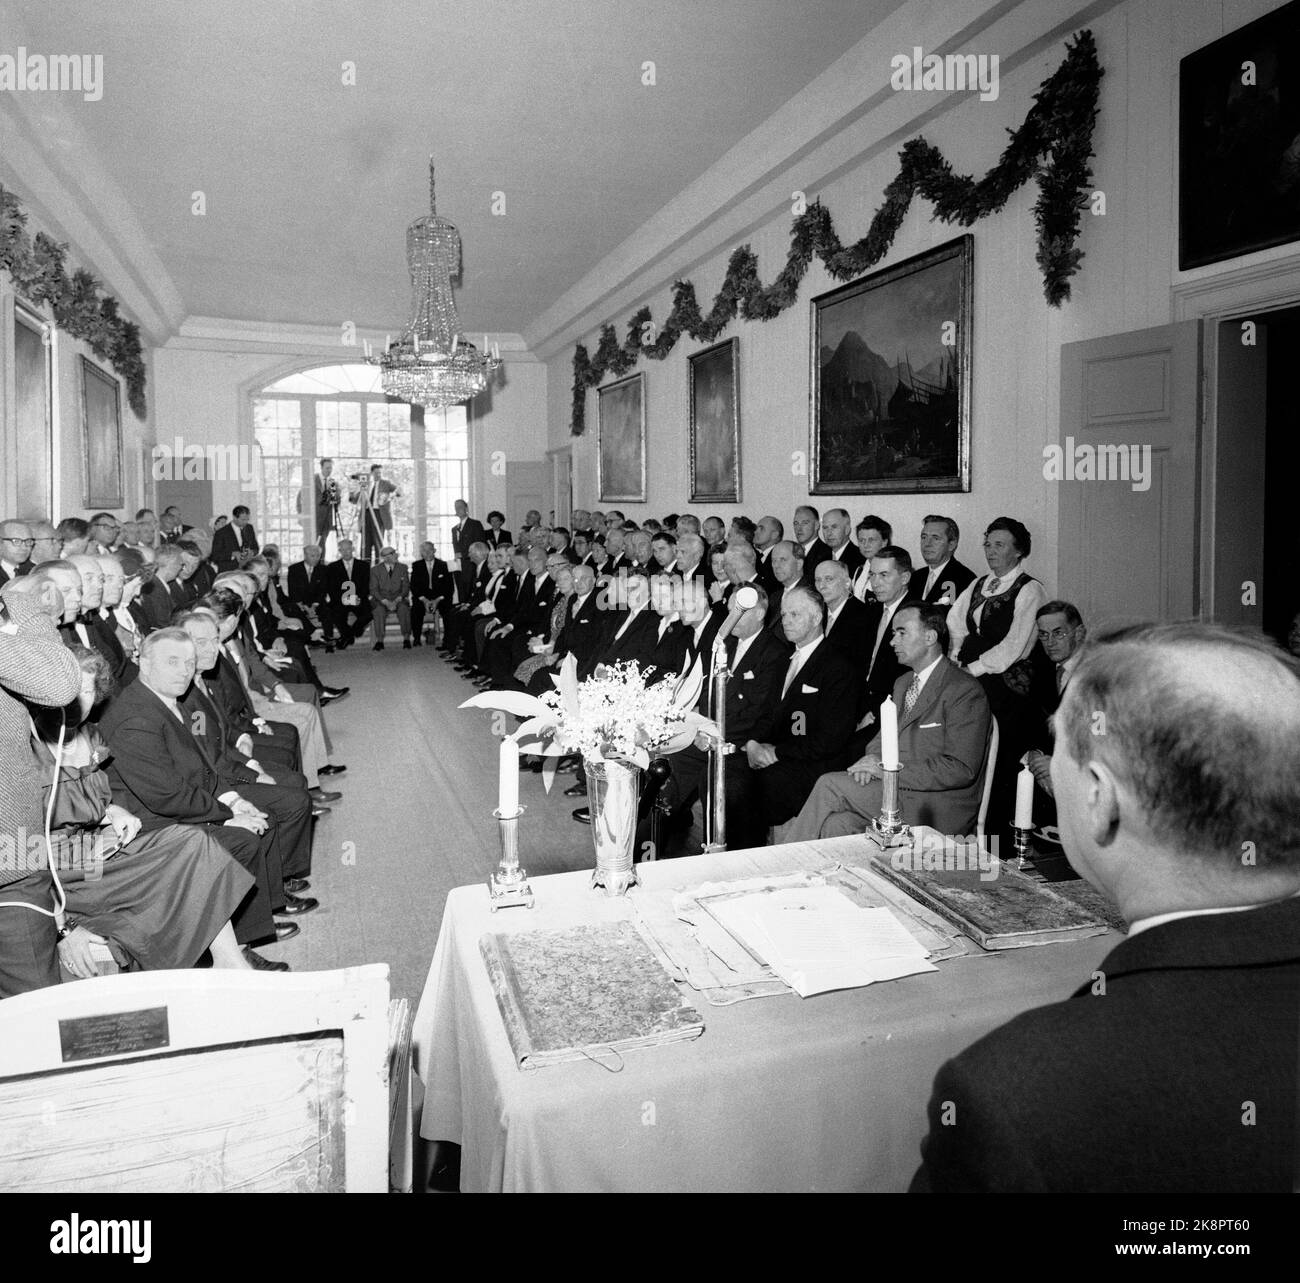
(1172, 1068)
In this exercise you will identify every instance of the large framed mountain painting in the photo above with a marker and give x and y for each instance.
(891, 378)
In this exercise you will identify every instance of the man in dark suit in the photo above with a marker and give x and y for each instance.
(16, 543)
(757, 661)
(944, 578)
(309, 590)
(464, 535)
(672, 648)
(814, 716)
(530, 616)
(1061, 634)
(88, 628)
(848, 621)
(1172, 1068)
(943, 739)
(767, 534)
(160, 773)
(837, 535)
(234, 543)
(581, 636)
(807, 527)
(786, 566)
(327, 494)
(471, 588)
(632, 633)
(431, 590)
(349, 584)
(890, 573)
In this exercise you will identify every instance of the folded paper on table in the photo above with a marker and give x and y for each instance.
(584, 993)
(816, 939)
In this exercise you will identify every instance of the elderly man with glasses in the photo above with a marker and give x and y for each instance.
(104, 531)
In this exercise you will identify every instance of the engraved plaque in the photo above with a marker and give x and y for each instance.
(116, 1034)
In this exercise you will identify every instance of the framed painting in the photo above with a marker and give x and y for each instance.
(1238, 158)
(621, 443)
(715, 424)
(891, 378)
(101, 428)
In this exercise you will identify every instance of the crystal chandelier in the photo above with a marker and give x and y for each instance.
(432, 363)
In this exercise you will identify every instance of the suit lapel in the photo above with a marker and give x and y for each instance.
(929, 696)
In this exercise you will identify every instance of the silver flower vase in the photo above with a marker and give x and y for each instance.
(613, 797)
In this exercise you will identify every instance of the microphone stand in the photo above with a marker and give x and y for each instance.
(715, 814)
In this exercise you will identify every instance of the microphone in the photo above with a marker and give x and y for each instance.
(743, 599)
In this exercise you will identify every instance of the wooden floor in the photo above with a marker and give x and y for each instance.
(415, 819)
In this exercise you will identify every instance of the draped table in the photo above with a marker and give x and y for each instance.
(780, 1093)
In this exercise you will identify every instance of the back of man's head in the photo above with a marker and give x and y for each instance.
(1201, 725)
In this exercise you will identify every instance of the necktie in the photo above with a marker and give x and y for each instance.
(1061, 675)
(913, 694)
(796, 663)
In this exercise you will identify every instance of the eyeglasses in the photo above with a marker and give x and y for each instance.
(1056, 635)
(24, 543)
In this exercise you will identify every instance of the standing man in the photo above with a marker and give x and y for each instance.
(328, 494)
(945, 577)
(1172, 1068)
(375, 497)
(233, 544)
(807, 523)
(837, 534)
(465, 533)
(767, 534)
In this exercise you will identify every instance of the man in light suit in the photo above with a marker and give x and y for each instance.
(1172, 1068)
(390, 592)
(943, 739)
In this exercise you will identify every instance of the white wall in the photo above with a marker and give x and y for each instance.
(1124, 284)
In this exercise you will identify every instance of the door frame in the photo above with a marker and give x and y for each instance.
(1249, 290)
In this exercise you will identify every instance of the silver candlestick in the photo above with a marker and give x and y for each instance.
(1022, 848)
(508, 885)
(887, 829)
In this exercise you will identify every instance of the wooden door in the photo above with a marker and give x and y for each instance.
(1129, 524)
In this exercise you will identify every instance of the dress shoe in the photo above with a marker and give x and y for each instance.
(334, 692)
(296, 904)
(534, 764)
(321, 797)
(415, 641)
(378, 646)
(406, 643)
(576, 790)
(569, 762)
(329, 648)
(331, 769)
(286, 930)
(295, 885)
(318, 811)
(344, 643)
(259, 963)
(582, 815)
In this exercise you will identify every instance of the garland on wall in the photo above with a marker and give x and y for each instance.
(1053, 145)
(36, 265)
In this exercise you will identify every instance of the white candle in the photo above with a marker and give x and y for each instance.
(1025, 799)
(485, 345)
(508, 788)
(455, 343)
(889, 734)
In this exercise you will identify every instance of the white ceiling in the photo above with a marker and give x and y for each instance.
(310, 184)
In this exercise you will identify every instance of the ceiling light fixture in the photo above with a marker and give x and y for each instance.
(432, 363)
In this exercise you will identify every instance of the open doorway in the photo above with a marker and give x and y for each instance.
(1281, 558)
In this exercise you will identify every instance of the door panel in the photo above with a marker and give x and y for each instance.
(1131, 554)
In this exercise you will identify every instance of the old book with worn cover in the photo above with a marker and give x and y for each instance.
(588, 992)
(1008, 911)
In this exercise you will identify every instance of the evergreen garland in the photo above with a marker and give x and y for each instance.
(36, 265)
(1053, 146)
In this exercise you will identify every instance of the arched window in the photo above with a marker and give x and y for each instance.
(340, 412)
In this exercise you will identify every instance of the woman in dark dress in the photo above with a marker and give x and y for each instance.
(160, 899)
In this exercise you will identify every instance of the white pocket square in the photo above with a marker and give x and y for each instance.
(925, 726)
(748, 676)
(808, 690)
